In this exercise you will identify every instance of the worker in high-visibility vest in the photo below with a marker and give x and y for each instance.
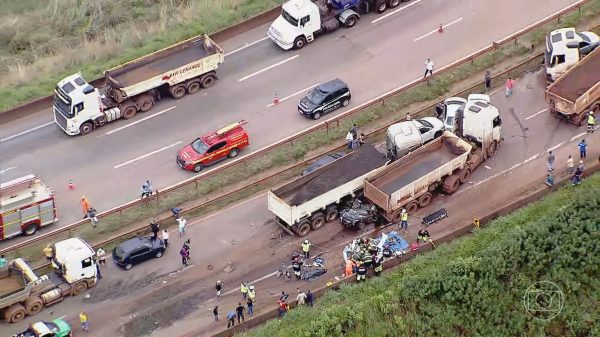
(306, 248)
(403, 220)
(591, 122)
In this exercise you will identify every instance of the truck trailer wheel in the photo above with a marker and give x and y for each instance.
(129, 112)
(144, 102)
(331, 214)
(351, 21)
(393, 3)
(299, 42)
(413, 206)
(303, 228)
(15, 313)
(451, 184)
(464, 174)
(317, 221)
(208, 81)
(194, 87)
(381, 7)
(424, 200)
(86, 128)
(177, 91)
(33, 305)
(79, 288)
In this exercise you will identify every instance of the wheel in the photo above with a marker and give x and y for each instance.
(208, 81)
(303, 228)
(345, 102)
(464, 174)
(424, 200)
(492, 149)
(382, 7)
(451, 184)
(178, 91)
(79, 288)
(144, 103)
(158, 254)
(317, 221)
(331, 214)
(198, 167)
(299, 42)
(15, 313)
(412, 207)
(128, 266)
(86, 128)
(33, 305)
(316, 116)
(233, 153)
(30, 229)
(397, 216)
(129, 112)
(193, 87)
(393, 3)
(351, 21)
(437, 134)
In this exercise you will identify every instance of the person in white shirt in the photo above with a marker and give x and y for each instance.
(182, 222)
(301, 298)
(428, 68)
(165, 237)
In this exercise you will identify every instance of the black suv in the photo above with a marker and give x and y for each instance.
(325, 98)
(136, 250)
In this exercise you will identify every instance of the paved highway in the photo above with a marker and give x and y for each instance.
(381, 53)
(164, 292)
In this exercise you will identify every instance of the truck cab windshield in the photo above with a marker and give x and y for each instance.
(292, 21)
(199, 146)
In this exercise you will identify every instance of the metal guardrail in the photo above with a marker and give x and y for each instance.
(289, 141)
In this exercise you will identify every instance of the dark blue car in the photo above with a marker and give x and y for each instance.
(136, 250)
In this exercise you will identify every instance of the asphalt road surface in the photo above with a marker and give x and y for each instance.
(175, 301)
(380, 54)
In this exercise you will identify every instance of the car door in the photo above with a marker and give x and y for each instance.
(140, 255)
(426, 133)
(333, 101)
(213, 154)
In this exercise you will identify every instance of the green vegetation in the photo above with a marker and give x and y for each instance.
(479, 285)
(43, 41)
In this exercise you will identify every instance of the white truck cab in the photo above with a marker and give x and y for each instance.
(479, 116)
(564, 48)
(75, 102)
(74, 259)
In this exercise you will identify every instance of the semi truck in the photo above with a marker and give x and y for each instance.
(133, 87)
(26, 205)
(310, 201)
(564, 48)
(577, 91)
(23, 293)
(303, 20)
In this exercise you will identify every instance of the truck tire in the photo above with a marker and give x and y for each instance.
(412, 207)
(193, 87)
(351, 21)
(331, 214)
(451, 184)
(393, 3)
(144, 102)
(299, 42)
(492, 149)
(317, 221)
(233, 153)
(177, 91)
(33, 305)
(86, 128)
(381, 7)
(129, 111)
(15, 313)
(464, 174)
(30, 229)
(396, 216)
(79, 288)
(303, 228)
(208, 81)
(424, 200)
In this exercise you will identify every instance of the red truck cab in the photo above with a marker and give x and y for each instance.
(212, 148)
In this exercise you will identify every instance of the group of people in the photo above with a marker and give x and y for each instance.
(354, 139)
(366, 254)
(576, 173)
(249, 295)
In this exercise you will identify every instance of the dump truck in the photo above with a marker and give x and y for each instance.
(576, 92)
(303, 20)
(23, 293)
(312, 200)
(26, 205)
(133, 87)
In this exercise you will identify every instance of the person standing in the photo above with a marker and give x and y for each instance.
(570, 165)
(488, 80)
(49, 253)
(297, 268)
(309, 298)
(440, 109)
(181, 226)
(85, 206)
(251, 293)
(185, 254)
(92, 216)
(355, 143)
(349, 139)
(509, 86)
(244, 290)
(154, 227)
(101, 255)
(551, 159)
(230, 319)
(250, 305)
(306, 248)
(282, 309)
(165, 237)
(378, 266)
(428, 68)
(3, 261)
(354, 130)
(239, 310)
(549, 180)
(83, 319)
(582, 149)
(361, 273)
(591, 122)
(403, 220)
(215, 312)
(219, 287)
(301, 298)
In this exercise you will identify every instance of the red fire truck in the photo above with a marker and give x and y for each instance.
(212, 148)
(26, 204)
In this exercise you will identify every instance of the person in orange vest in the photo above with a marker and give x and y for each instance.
(349, 267)
(85, 206)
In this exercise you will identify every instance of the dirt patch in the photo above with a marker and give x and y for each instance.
(113, 290)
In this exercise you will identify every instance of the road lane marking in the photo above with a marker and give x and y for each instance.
(435, 30)
(8, 169)
(268, 68)
(530, 159)
(26, 131)
(578, 136)
(395, 11)
(246, 46)
(139, 121)
(294, 94)
(535, 114)
(146, 155)
(556, 146)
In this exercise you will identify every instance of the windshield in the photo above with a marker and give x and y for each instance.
(425, 123)
(62, 107)
(292, 21)
(119, 253)
(315, 96)
(199, 146)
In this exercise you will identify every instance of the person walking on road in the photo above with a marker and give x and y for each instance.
(488, 80)
(181, 226)
(240, 312)
(251, 293)
(49, 253)
(165, 237)
(185, 255)
(403, 220)
(83, 319)
(591, 122)
(309, 298)
(219, 287)
(551, 159)
(306, 248)
(101, 255)
(244, 290)
(215, 312)
(250, 305)
(230, 319)
(549, 180)
(85, 206)
(510, 83)
(428, 68)
(570, 165)
(301, 298)
(154, 227)
(582, 149)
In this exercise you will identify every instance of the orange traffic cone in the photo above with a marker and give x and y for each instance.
(440, 28)
(71, 186)
(276, 99)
